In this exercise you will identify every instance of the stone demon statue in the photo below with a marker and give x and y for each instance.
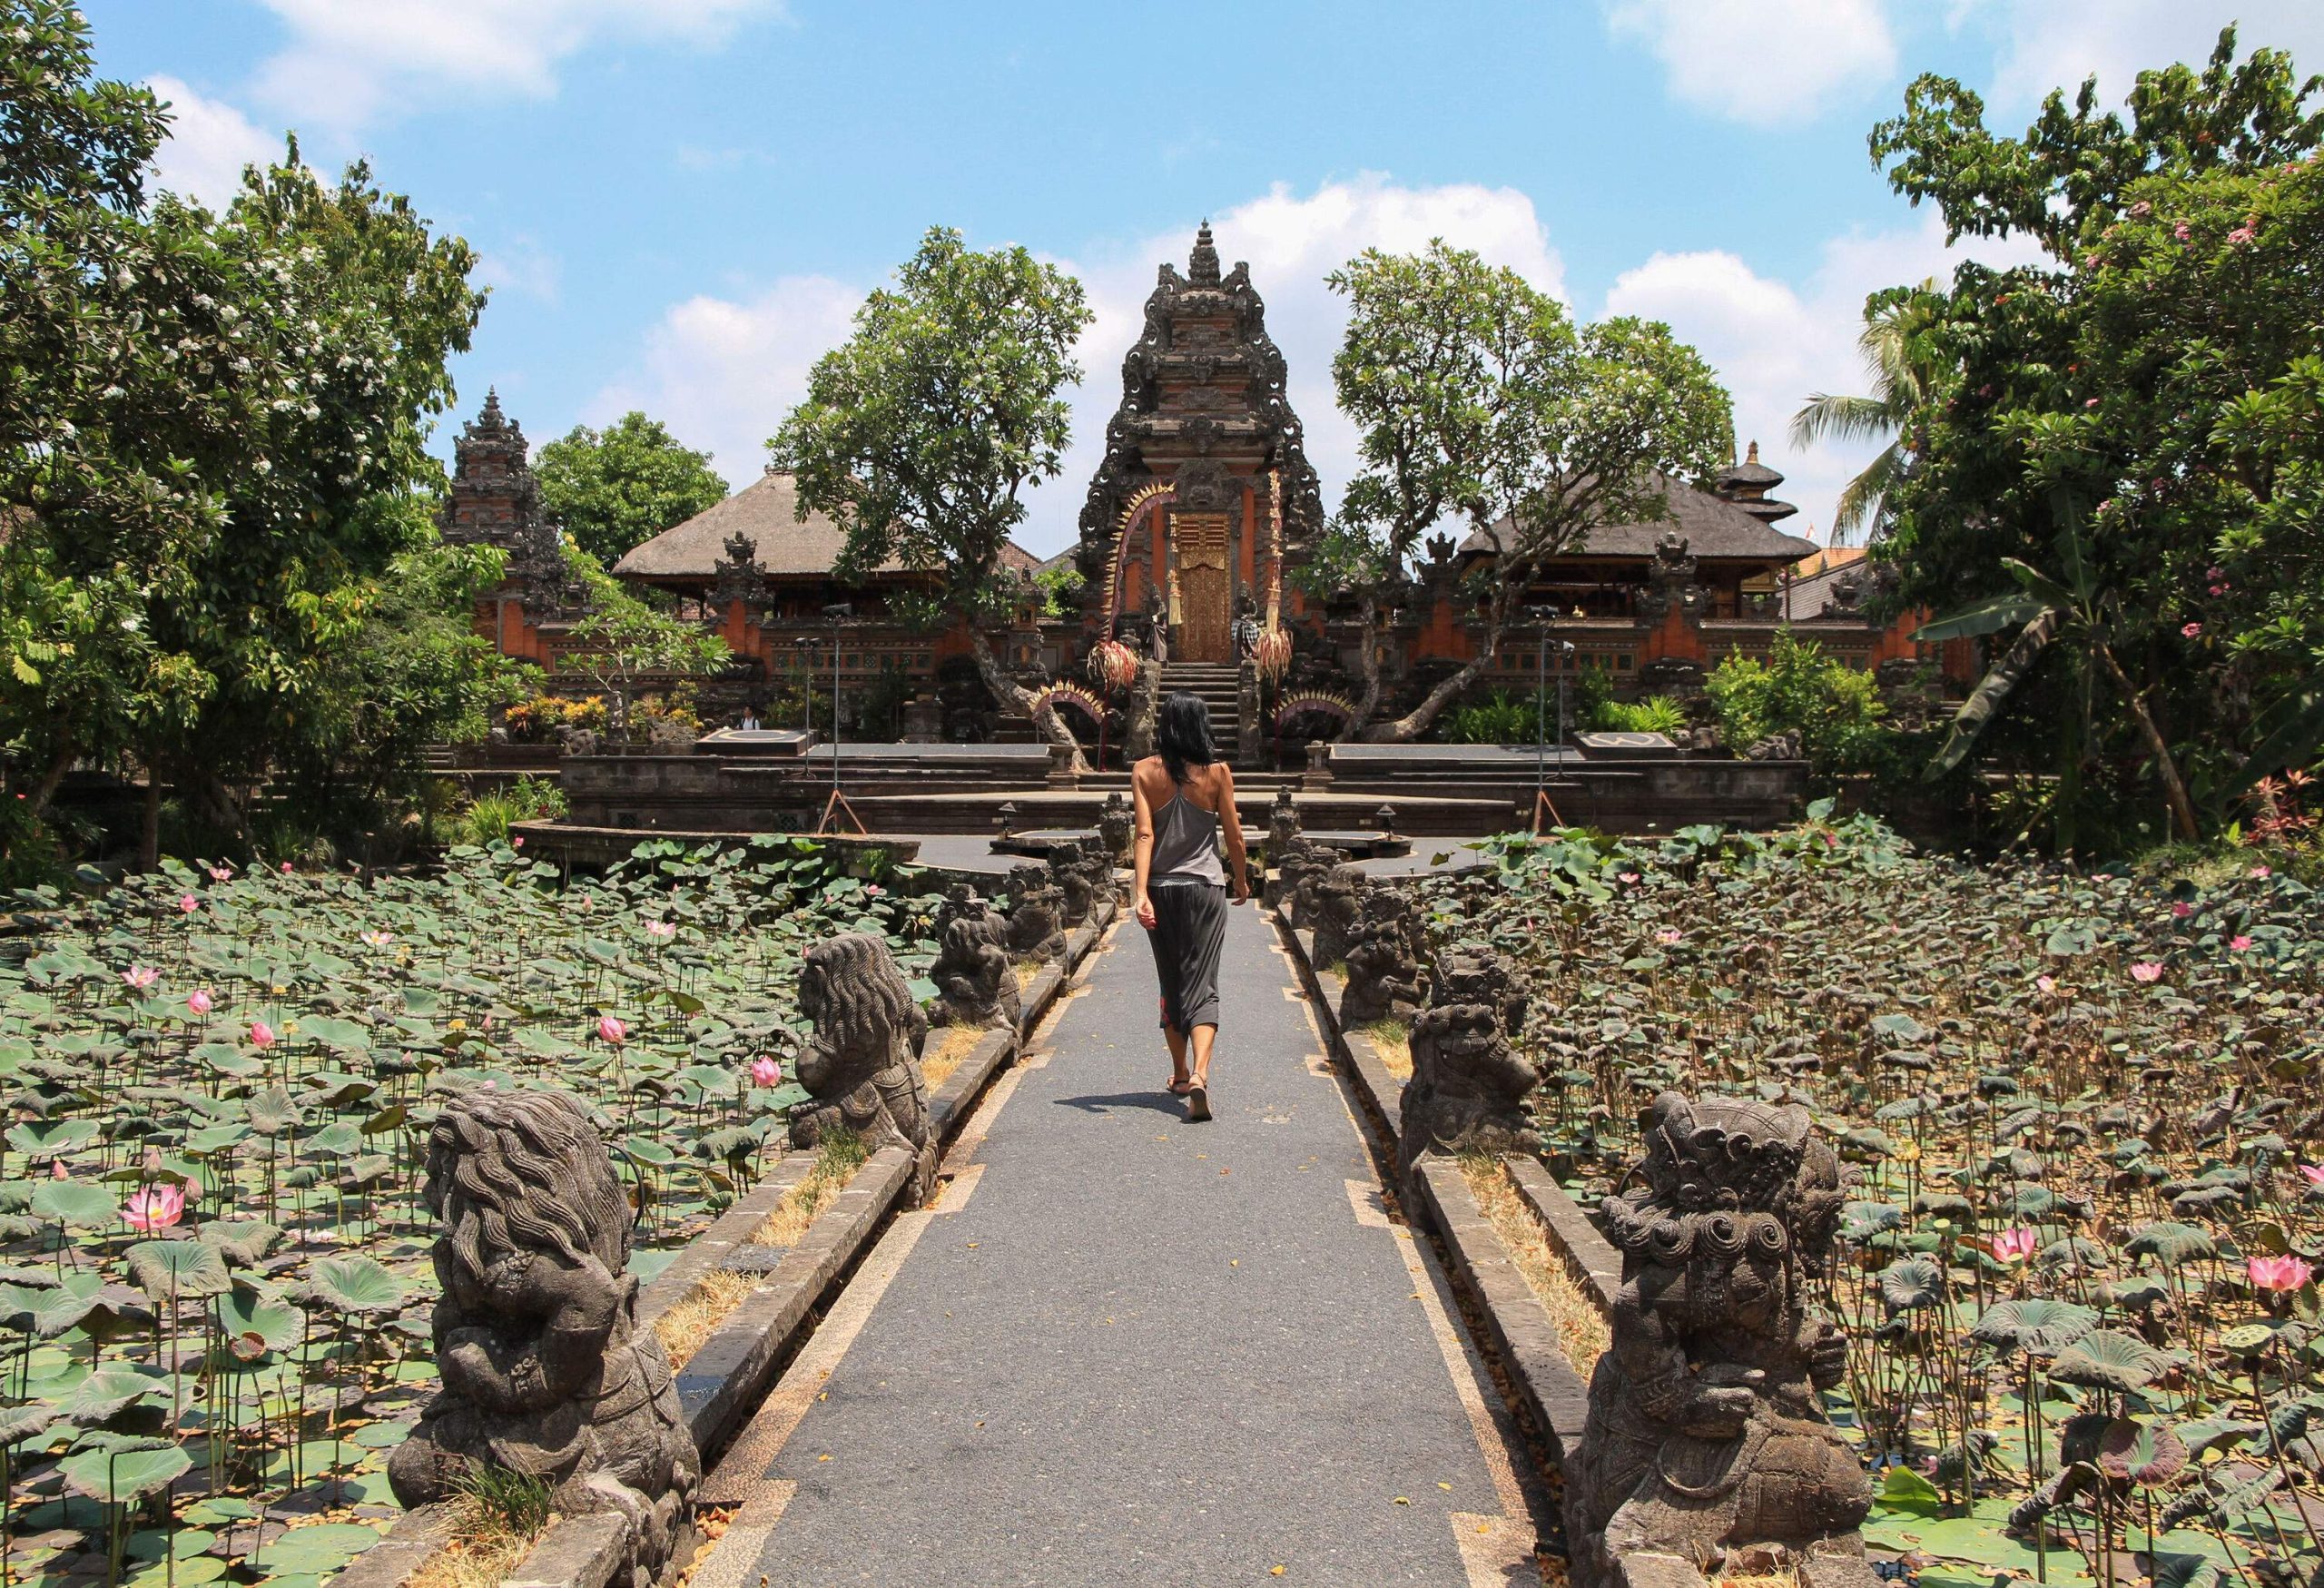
(1283, 824)
(1104, 889)
(1303, 869)
(1706, 1435)
(1066, 864)
(1468, 1090)
(1036, 914)
(1338, 895)
(1384, 956)
(972, 972)
(1116, 827)
(862, 1071)
(544, 1371)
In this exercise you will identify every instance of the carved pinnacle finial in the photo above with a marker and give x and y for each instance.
(1202, 265)
(1753, 456)
(491, 414)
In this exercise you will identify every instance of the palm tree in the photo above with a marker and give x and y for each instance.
(1902, 373)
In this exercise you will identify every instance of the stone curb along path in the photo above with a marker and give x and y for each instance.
(1121, 1349)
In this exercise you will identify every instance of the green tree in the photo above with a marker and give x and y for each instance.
(620, 486)
(622, 640)
(1897, 351)
(2159, 367)
(210, 438)
(1476, 398)
(1834, 708)
(920, 433)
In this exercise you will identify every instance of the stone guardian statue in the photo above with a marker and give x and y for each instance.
(544, 1370)
(862, 1071)
(1469, 1085)
(1708, 1448)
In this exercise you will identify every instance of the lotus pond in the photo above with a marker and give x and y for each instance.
(215, 1289)
(2086, 1118)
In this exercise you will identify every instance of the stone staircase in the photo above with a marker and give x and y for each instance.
(1216, 685)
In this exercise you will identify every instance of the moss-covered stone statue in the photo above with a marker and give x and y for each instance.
(861, 1070)
(544, 1370)
(1469, 1084)
(1708, 1448)
(972, 972)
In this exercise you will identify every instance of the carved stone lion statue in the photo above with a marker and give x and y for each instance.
(544, 1370)
(1304, 872)
(862, 1071)
(1338, 895)
(1385, 954)
(1469, 1087)
(1283, 824)
(1097, 869)
(1066, 864)
(1036, 914)
(972, 972)
(1706, 1434)
(1116, 825)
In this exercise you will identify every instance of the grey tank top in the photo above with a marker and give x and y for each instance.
(1186, 844)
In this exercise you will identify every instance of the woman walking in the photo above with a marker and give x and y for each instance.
(1186, 802)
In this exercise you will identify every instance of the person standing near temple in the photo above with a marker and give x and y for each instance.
(1185, 804)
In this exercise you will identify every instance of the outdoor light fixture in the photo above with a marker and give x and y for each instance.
(1386, 817)
(1544, 616)
(1008, 817)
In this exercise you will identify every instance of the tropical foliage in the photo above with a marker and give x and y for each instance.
(1834, 708)
(2085, 1339)
(222, 1084)
(618, 487)
(2131, 421)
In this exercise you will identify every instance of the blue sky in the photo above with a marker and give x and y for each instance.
(680, 202)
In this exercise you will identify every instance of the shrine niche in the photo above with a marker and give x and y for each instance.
(1205, 494)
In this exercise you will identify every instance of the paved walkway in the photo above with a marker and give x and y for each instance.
(1124, 1349)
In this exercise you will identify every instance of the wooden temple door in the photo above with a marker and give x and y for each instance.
(1200, 540)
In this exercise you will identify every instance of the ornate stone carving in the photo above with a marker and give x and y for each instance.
(1469, 1087)
(1304, 872)
(1065, 863)
(862, 1071)
(972, 972)
(1036, 914)
(1706, 1436)
(1671, 582)
(1384, 956)
(1116, 826)
(1786, 746)
(1339, 899)
(1097, 869)
(737, 576)
(1283, 824)
(544, 1371)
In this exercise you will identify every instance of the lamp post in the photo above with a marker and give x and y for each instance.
(1543, 617)
(808, 645)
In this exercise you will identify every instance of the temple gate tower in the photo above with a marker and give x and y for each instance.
(1205, 497)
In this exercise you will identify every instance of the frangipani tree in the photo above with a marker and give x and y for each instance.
(920, 433)
(1477, 398)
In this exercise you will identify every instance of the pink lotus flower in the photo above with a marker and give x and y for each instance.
(2313, 1173)
(1669, 934)
(140, 977)
(286, 868)
(199, 1001)
(2284, 1273)
(2260, 873)
(2046, 984)
(664, 929)
(612, 1029)
(1628, 876)
(219, 873)
(56, 1170)
(187, 903)
(2146, 970)
(262, 1034)
(2013, 1246)
(156, 1208)
(765, 1072)
(874, 889)
(518, 841)
(2181, 909)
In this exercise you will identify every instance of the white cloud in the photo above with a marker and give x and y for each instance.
(722, 374)
(2041, 44)
(349, 60)
(522, 265)
(209, 144)
(1766, 65)
(1774, 344)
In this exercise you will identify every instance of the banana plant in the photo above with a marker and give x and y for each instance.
(2046, 610)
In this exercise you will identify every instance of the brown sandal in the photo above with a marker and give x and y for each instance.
(1197, 1101)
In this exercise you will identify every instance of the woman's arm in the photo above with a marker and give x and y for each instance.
(1141, 852)
(1230, 827)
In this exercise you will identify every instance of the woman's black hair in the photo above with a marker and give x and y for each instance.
(1182, 734)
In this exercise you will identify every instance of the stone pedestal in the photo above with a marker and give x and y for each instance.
(1318, 774)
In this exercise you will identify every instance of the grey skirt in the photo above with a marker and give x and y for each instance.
(1189, 930)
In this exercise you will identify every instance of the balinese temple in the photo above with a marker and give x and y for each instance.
(1202, 506)
(1205, 497)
